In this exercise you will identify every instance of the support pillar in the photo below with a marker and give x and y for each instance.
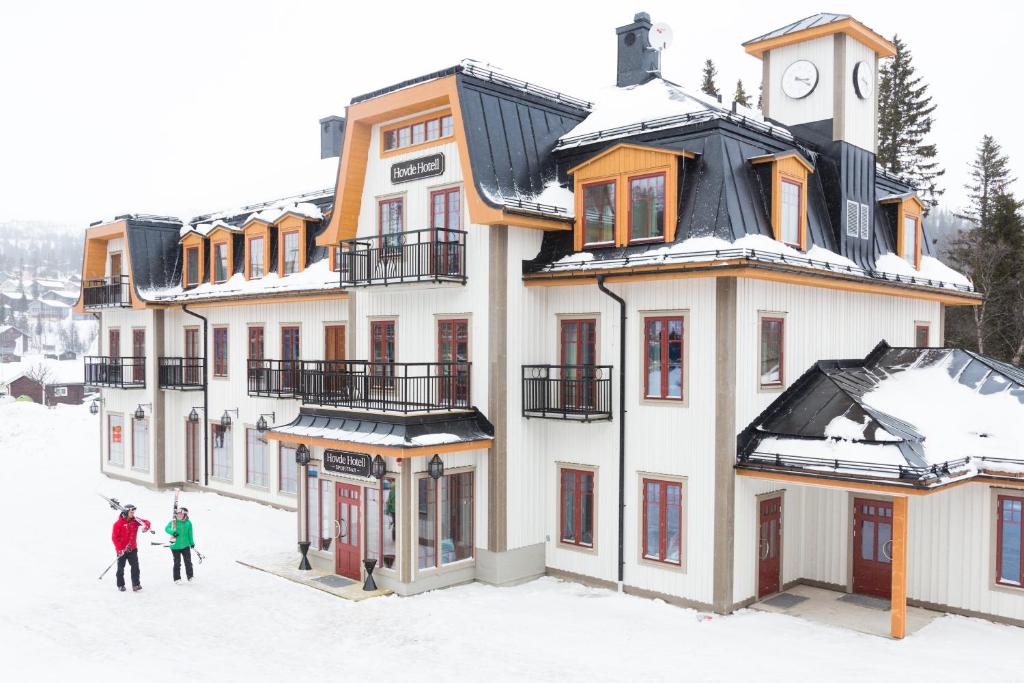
(898, 608)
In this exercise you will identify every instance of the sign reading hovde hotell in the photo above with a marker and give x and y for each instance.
(415, 169)
(343, 462)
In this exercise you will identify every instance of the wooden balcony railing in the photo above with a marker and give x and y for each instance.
(176, 372)
(120, 372)
(274, 378)
(387, 387)
(568, 392)
(436, 255)
(106, 292)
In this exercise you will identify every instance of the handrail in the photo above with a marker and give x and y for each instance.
(386, 387)
(106, 292)
(432, 255)
(917, 473)
(177, 372)
(121, 372)
(567, 392)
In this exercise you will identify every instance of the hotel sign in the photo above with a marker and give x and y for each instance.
(416, 169)
(344, 462)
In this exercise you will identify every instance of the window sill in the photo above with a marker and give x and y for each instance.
(140, 470)
(257, 487)
(586, 549)
(771, 388)
(658, 564)
(445, 568)
(221, 480)
(647, 240)
(599, 245)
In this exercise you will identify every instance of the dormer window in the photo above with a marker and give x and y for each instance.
(904, 212)
(647, 208)
(790, 219)
(908, 239)
(290, 242)
(627, 195)
(599, 213)
(220, 261)
(192, 266)
(257, 269)
(784, 175)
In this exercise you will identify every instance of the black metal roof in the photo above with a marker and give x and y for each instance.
(154, 252)
(391, 431)
(833, 388)
(819, 19)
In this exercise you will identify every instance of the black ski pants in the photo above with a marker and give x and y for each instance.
(185, 553)
(132, 558)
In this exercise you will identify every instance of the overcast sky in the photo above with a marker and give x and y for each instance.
(187, 107)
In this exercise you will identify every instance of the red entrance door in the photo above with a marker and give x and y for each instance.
(769, 546)
(872, 547)
(346, 550)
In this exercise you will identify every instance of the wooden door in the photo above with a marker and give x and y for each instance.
(289, 358)
(193, 451)
(192, 373)
(334, 342)
(769, 546)
(578, 355)
(347, 560)
(138, 354)
(872, 547)
(115, 266)
(452, 357)
(114, 343)
(446, 213)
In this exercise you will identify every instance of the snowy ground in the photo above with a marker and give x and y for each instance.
(236, 623)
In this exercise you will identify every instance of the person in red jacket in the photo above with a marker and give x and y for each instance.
(126, 528)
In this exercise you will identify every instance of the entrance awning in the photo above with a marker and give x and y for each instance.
(402, 436)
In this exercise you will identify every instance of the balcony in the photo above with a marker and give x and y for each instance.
(185, 374)
(568, 392)
(106, 292)
(273, 378)
(436, 255)
(386, 387)
(126, 372)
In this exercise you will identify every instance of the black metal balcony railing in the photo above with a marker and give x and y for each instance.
(176, 372)
(274, 378)
(436, 255)
(568, 392)
(125, 372)
(106, 292)
(386, 387)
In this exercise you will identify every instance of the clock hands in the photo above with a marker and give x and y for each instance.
(802, 80)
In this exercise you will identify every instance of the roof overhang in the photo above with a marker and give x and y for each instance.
(629, 145)
(882, 46)
(779, 156)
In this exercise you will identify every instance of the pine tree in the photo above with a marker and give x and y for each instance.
(904, 121)
(708, 86)
(990, 174)
(760, 95)
(741, 97)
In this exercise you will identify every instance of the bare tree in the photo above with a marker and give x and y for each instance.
(40, 373)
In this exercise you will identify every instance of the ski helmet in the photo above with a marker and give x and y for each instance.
(127, 508)
(183, 511)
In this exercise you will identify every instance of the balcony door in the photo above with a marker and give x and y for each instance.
(191, 353)
(578, 356)
(334, 355)
(453, 359)
(872, 547)
(113, 368)
(290, 355)
(115, 266)
(382, 355)
(138, 354)
(446, 217)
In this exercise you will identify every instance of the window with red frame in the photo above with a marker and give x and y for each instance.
(789, 212)
(921, 334)
(577, 507)
(418, 133)
(389, 223)
(453, 357)
(446, 217)
(663, 521)
(1009, 541)
(647, 208)
(192, 266)
(290, 247)
(599, 213)
(256, 338)
(382, 352)
(664, 357)
(220, 352)
(772, 354)
(579, 355)
(220, 261)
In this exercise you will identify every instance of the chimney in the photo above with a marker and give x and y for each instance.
(638, 62)
(332, 135)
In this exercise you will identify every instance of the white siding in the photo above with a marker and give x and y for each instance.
(819, 104)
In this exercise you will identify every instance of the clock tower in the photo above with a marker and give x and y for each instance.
(820, 75)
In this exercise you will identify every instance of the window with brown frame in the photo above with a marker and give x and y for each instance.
(290, 251)
(1009, 541)
(921, 335)
(909, 237)
(437, 127)
(790, 212)
(390, 223)
(220, 352)
(647, 208)
(257, 268)
(191, 266)
(220, 261)
(771, 371)
(663, 360)
(576, 507)
(256, 338)
(663, 521)
(599, 213)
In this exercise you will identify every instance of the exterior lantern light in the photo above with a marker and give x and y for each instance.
(140, 412)
(436, 467)
(378, 468)
(261, 424)
(302, 454)
(94, 407)
(193, 416)
(225, 419)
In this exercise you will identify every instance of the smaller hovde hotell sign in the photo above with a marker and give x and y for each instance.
(416, 169)
(344, 462)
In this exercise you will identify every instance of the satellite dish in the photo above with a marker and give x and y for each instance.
(660, 36)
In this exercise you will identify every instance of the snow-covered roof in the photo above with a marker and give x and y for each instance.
(316, 277)
(61, 371)
(923, 416)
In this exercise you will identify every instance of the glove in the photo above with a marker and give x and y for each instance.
(175, 534)
(192, 546)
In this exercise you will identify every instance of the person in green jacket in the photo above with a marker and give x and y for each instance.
(180, 528)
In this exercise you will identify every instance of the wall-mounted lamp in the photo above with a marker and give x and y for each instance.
(225, 419)
(140, 412)
(436, 467)
(94, 407)
(194, 416)
(261, 424)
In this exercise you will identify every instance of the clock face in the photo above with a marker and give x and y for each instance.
(863, 80)
(799, 79)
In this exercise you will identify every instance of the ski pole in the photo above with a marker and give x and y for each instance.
(108, 569)
(198, 554)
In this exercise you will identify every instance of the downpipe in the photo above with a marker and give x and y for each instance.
(206, 398)
(622, 426)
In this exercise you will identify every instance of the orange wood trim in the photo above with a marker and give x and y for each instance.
(904, 211)
(94, 256)
(850, 27)
(241, 301)
(735, 268)
(785, 156)
(618, 149)
(423, 118)
(392, 451)
(898, 607)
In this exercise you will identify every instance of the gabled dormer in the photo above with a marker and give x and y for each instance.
(292, 243)
(257, 234)
(627, 194)
(905, 212)
(221, 239)
(194, 255)
(784, 175)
